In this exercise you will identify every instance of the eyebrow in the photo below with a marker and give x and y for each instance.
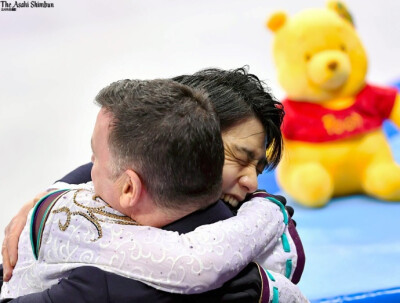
(250, 154)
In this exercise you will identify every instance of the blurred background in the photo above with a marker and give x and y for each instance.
(55, 60)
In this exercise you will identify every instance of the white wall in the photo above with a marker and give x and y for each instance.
(54, 61)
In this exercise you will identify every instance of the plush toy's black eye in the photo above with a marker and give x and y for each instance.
(307, 57)
(343, 47)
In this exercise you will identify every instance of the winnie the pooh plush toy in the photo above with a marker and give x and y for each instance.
(333, 133)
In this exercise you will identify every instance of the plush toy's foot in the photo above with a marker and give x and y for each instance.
(310, 184)
(382, 180)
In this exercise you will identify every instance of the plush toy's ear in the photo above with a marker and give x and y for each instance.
(276, 21)
(340, 9)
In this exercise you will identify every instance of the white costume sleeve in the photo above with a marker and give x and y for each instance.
(82, 230)
(277, 288)
(287, 255)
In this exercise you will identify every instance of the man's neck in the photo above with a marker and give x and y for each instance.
(150, 214)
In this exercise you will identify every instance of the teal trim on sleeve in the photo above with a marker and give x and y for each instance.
(42, 222)
(282, 207)
(289, 266)
(285, 243)
(270, 276)
(275, 298)
(31, 225)
(34, 246)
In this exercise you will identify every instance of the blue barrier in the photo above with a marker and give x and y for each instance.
(391, 295)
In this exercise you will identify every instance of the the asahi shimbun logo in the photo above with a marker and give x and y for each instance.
(13, 6)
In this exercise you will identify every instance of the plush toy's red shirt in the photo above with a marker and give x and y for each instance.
(311, 122)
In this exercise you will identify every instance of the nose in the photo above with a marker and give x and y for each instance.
(249, 182)
(332, 65)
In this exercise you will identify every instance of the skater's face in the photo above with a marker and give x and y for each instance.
(245, 159)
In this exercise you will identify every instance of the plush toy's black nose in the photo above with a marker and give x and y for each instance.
(332, 65)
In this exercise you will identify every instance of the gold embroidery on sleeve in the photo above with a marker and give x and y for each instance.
(92, 215)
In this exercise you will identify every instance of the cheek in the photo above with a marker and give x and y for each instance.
(229, 174)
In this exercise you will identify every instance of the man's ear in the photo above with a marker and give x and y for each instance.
(131, 189)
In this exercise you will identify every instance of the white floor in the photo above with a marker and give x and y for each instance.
(54, 61)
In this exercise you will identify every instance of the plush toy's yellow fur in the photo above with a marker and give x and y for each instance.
(320, 59)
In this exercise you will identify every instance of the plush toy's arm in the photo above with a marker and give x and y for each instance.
(395, 115)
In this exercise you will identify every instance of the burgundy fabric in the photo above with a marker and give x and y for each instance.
(265, 289)
(301, 257)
